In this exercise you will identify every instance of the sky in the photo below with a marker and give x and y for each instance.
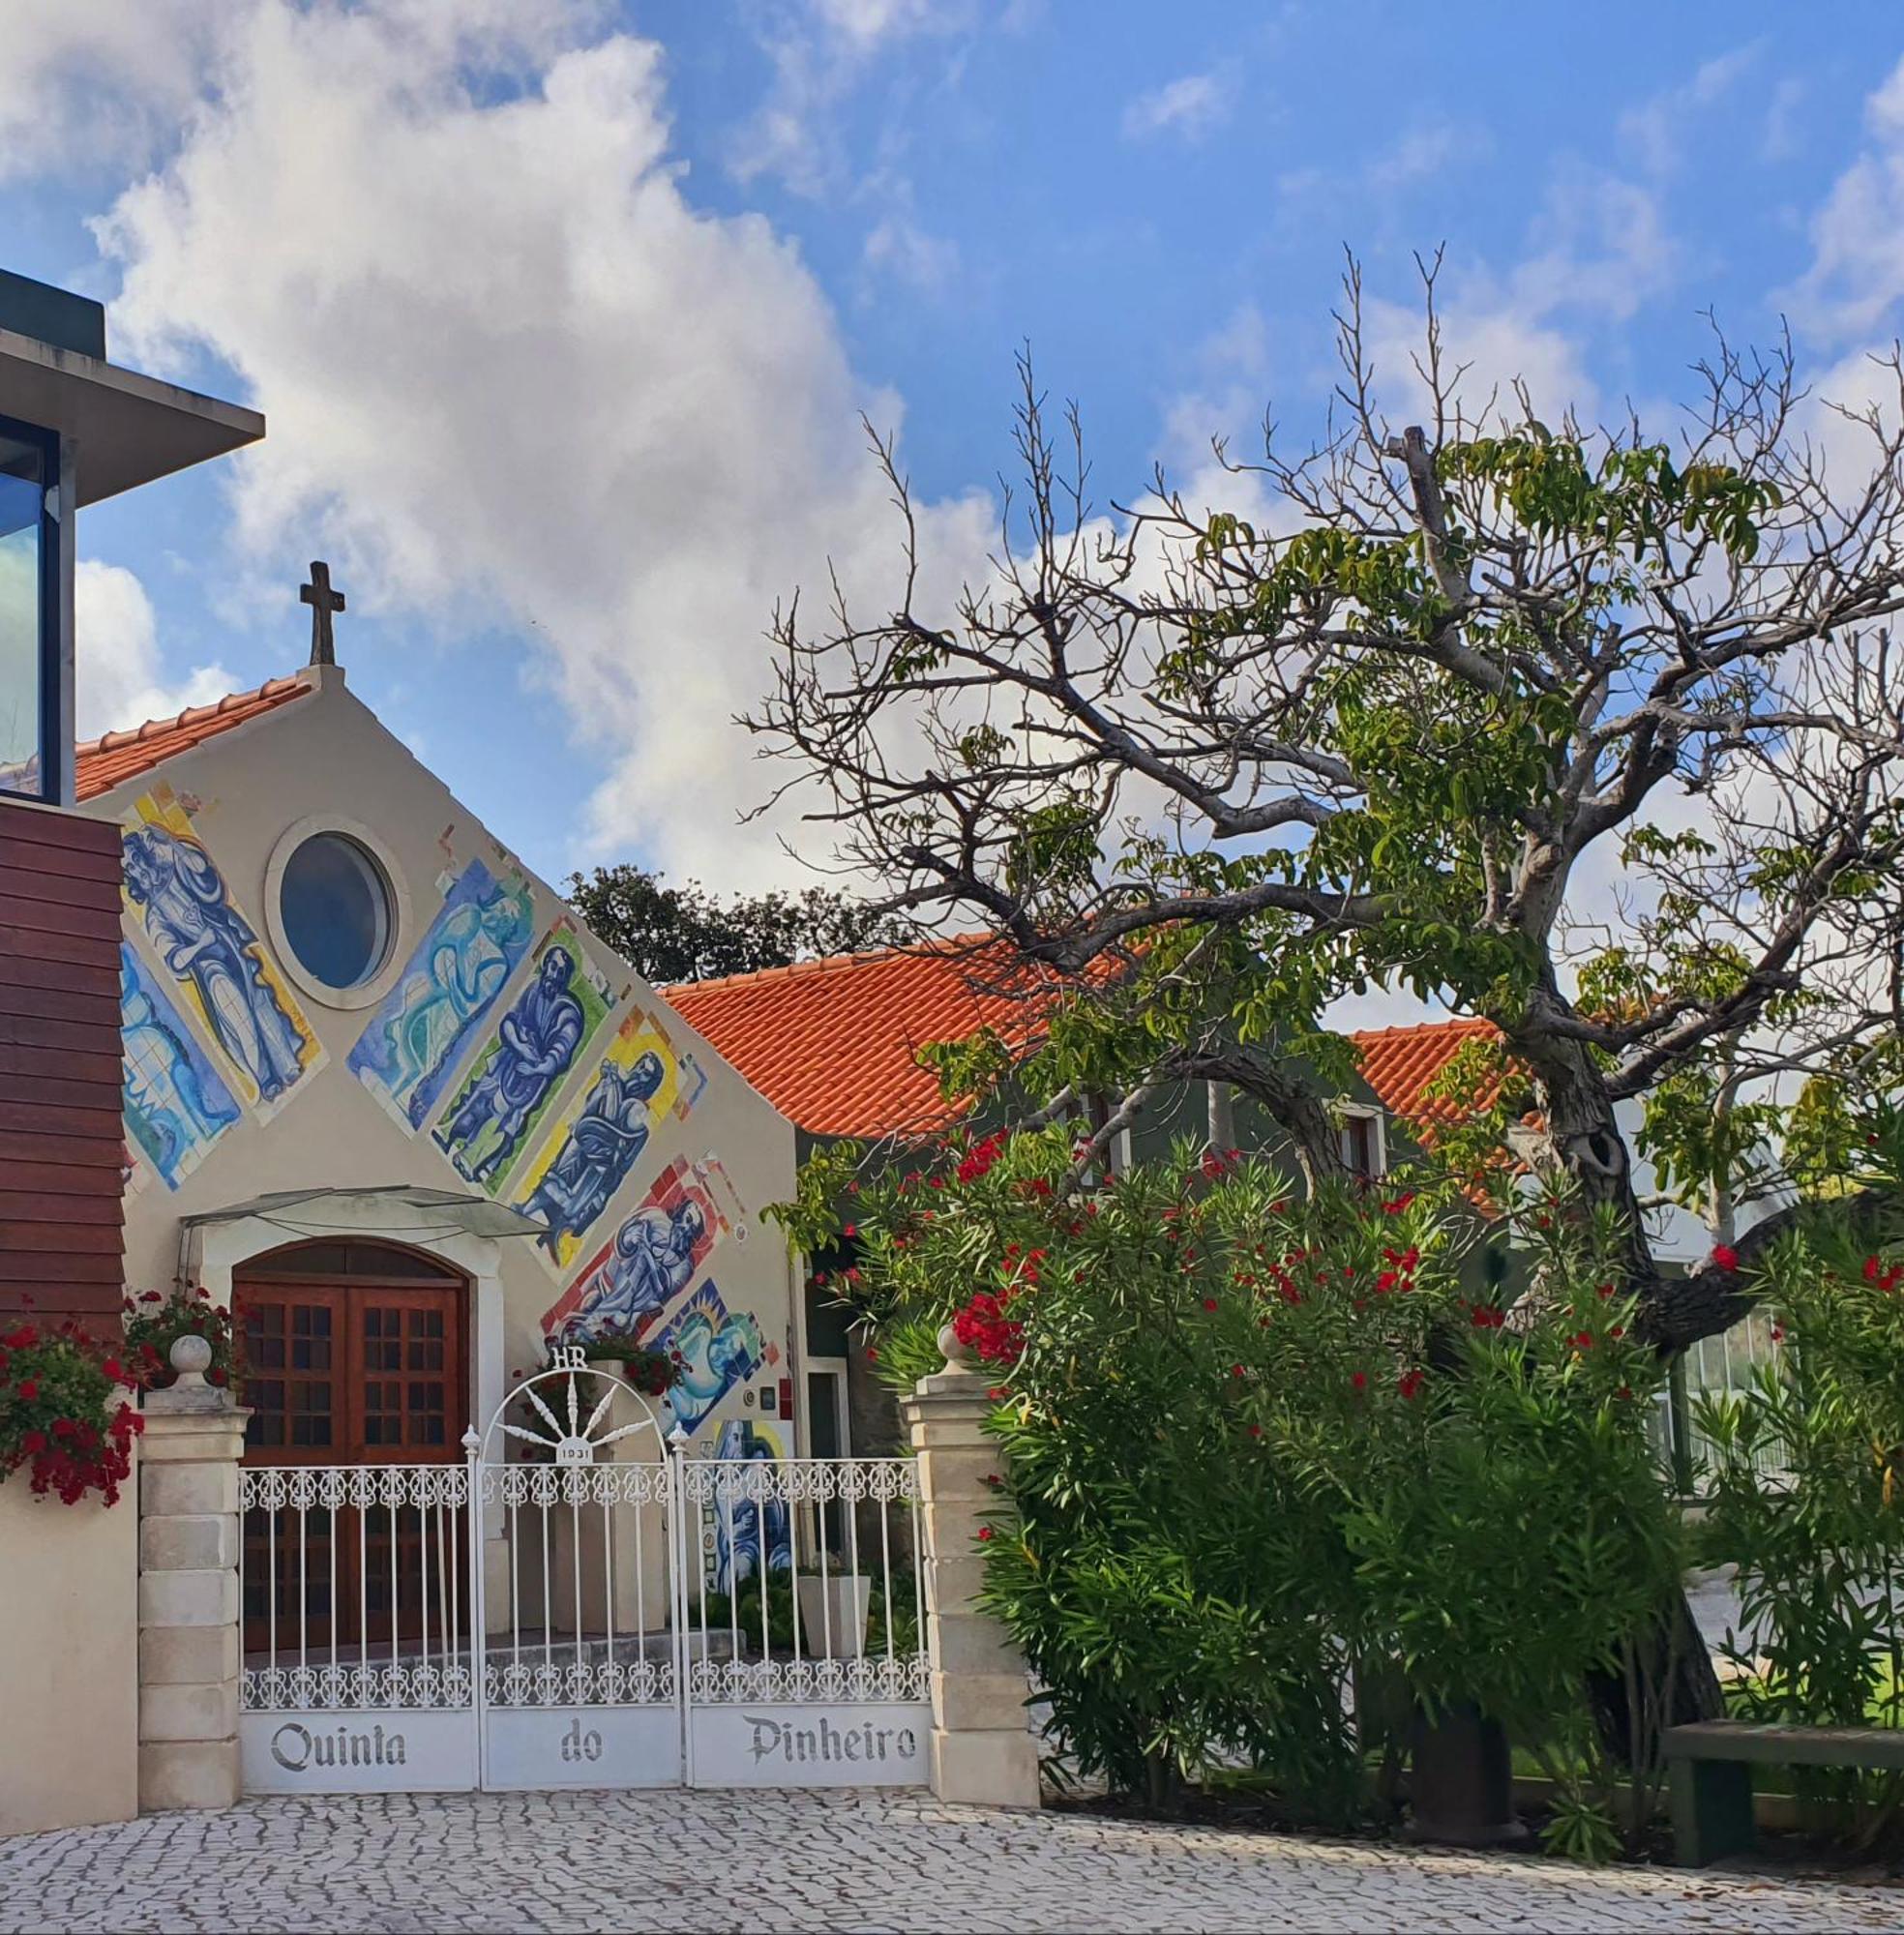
(564, 314)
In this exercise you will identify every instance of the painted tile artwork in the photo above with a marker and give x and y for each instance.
(592, 1151)
(547, 1027)
(177, 1104)
(656, 1253)
(749, 1533)
(446, 992)
(719, 1348)
(212, 952)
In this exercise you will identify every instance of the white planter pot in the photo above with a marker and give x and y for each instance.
(835, 1607)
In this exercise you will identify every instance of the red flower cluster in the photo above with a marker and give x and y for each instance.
(1410, 1382)
(1724, 1257)
(58, 1420)
(1485, 1317)
(1399, 1273)
(980, 1157)
(982, 1328)
(1885, 1279)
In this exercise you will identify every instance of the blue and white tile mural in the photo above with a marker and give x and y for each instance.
(719, 1348)
(545, 1032)
(177, 1104)
(750, 1535)
(211, 951)
(452, 981)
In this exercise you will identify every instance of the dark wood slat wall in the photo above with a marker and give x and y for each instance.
(62, 1150)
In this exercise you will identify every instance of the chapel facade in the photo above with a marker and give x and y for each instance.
(390, 1102)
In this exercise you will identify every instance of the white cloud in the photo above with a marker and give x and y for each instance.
(1857, 273)
(820, 51)
(514, 375)
(1423, 152)
(117, 676)
(1192, 106)
(1655, 133)
(898, 246)
(96, 83)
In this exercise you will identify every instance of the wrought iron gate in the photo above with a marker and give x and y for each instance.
(603, 1610)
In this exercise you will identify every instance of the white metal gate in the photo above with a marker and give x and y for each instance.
(645, 1616)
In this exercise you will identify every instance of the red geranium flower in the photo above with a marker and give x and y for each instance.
(29, 1388)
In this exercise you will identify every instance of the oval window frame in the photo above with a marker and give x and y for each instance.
(367, 993)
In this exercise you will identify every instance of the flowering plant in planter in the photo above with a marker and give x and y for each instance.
(652, 1373)
(62, 1416)
(154, 1324)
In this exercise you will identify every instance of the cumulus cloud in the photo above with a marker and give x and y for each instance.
(117, 676)
(515, 378)
(1654, 132)
(1190, 106)
(1857, 273)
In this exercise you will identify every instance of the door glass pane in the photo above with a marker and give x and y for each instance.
(22, 670)
(823, 1413)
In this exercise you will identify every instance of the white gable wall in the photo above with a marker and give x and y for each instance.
(247, 796)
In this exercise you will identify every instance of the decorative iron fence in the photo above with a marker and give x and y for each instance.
(607, 1612)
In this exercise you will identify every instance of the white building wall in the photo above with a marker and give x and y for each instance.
(249, 795)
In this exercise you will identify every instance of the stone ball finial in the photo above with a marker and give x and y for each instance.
(958, 1356)
(190, 1357)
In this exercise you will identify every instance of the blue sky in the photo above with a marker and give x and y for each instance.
(562, 314)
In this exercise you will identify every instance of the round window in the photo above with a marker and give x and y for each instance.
(335, 906)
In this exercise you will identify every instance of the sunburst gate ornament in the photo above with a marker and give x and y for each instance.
(579, 1440)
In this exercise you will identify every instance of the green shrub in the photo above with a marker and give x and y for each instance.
(1805, 1479)
(1254, 1442)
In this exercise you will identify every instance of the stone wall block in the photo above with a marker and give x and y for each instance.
(190, 1617)
(180, 1655)
(982, 1749)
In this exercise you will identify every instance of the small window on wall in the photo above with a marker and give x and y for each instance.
(1362, 1147)
(29, 656)
(334, 907)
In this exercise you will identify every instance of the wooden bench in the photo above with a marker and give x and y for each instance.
(1710, 1763)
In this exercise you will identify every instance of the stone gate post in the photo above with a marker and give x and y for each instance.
(982, 1749)
(189, 1618)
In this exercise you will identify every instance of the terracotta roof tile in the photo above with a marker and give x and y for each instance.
(106, 762)
(834, 1043)
(1399, 1062)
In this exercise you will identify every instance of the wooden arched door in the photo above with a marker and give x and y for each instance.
(355, 1352)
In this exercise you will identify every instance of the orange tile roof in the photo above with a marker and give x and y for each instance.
(833, 1044)
(104, 763)
(1399, 1062)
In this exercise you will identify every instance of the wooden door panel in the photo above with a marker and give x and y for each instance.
(347, 1374)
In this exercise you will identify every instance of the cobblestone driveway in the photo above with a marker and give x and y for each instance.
(682, 1861)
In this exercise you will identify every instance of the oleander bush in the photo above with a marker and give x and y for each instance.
(1257, 1445)
(1805, 1482)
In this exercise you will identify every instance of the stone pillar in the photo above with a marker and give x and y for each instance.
(982, 1749)
(189, 1618)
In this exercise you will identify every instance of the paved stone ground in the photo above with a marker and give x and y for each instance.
(687, 1862)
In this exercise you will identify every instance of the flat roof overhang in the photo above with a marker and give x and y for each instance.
(130, 428)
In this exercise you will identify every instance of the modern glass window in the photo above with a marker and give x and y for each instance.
(29, 661)
(335, 906)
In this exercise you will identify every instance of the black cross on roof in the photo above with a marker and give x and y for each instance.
(323, 600)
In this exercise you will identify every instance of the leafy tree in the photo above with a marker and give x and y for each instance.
(1596, 732)
(687, 934)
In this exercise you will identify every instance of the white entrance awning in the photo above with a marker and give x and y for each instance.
(329, 1213)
